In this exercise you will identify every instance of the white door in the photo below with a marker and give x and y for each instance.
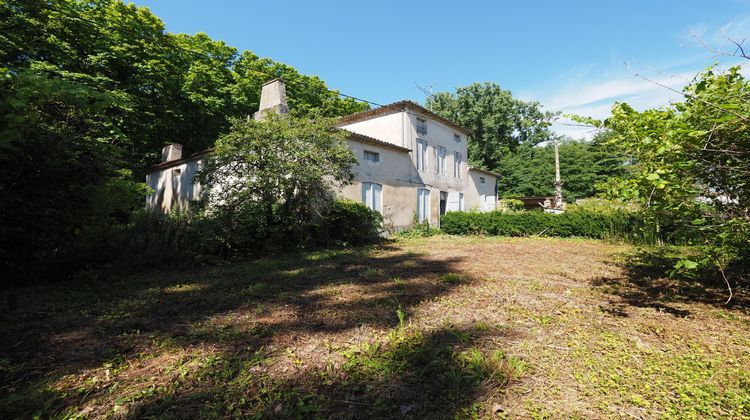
(423, 204)
(454, 201)
(372, 196)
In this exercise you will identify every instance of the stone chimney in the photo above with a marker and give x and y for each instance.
(170, 152)
(272, 99)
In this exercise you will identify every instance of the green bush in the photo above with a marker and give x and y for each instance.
(578, 223)
(510, 204)
(350, 222)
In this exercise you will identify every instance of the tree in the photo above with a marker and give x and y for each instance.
(529, 170)
(60, 174)
(499, 123)
(691, 166)
(270, 180)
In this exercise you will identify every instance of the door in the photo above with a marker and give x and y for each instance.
(423, 204)
(443, 202)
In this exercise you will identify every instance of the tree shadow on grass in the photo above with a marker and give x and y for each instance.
(648, 284)
(410, 374)
(238, 309)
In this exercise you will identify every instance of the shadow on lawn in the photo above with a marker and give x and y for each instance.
(647, 284)
(241, 310)
(411, 375)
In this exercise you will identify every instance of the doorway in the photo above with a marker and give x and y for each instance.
(443, 202)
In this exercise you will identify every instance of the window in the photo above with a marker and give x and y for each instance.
(372, 196)
(457, 165)
(457, 138)
(372, 156)
(421, 126)
(440, 151)
(423, 204)
(482, 180)
(421, 155)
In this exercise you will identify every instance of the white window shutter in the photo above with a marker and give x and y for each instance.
(377, 197)
(453, 202)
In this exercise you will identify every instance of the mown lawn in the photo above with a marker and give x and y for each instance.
(437, 327)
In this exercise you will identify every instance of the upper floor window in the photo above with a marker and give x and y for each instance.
(441, 152)
(456, 138)
(457, 159)
(421, 155)
(482, 180)
(421, 126)
(372, 156)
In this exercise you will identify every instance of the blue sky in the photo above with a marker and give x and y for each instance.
(572, 56)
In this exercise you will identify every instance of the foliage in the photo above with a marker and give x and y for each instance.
(59, 170)
(419, 229)
(350, 222)
(91, 92)
(499, 123)
(691, 165)
(510, 204)
(177, 87)
(530, 170)
(573, 223)
(270, 179)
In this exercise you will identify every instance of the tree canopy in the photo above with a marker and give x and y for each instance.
(499, 122)
(691, 165)
(530, 170)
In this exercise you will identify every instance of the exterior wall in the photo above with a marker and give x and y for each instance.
(173, 187)
(393, 172)
(388, 128)
(477, 192)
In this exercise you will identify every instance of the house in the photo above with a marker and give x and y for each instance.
(412, 163)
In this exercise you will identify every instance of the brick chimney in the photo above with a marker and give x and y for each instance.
(272, 99)
(170, 152)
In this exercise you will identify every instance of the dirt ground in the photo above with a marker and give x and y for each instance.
(437, 327)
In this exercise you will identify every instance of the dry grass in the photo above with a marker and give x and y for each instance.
(436, 327)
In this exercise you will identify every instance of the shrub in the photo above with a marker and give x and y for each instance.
(350, 222)
(419, 229)
(510, 204)
(579, 223)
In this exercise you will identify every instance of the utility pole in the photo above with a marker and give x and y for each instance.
(558, 182)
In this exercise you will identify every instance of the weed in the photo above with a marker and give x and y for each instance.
(450, 278)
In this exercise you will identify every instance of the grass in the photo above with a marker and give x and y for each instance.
(436, 327)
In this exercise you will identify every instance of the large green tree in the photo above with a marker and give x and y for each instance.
(269, 180)
(499, 122)
(530, 170)
(691, 165)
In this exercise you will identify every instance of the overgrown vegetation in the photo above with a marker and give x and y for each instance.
(576, 222)
(690, 165)
(91, 91)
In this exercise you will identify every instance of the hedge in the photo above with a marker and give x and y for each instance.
(615, 225)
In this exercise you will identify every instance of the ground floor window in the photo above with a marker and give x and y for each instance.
(372, 196)
(423, 204)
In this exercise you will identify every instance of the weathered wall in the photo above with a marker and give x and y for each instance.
(173, 187)
(393, 172)
(481, 197)
(388, 128)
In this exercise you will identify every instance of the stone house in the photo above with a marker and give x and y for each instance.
(412, 163)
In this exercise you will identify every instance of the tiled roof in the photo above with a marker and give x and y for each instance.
(397, 107)
(371, 140)
(495, 174)
(352, 136)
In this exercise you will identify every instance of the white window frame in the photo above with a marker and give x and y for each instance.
(423, 204)
(421, 125)
(372, 196)
(440, 157)
(457, 161)
(421, 155)
(371, 153)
